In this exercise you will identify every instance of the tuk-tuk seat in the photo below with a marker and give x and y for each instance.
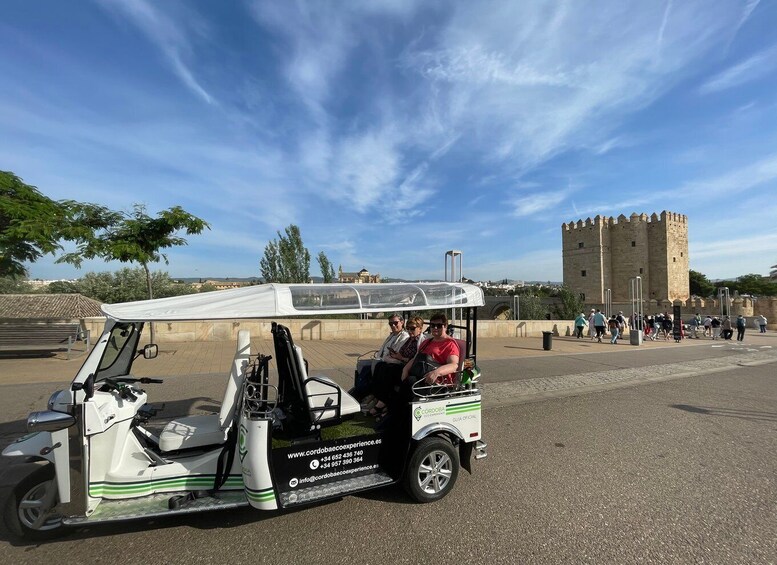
(323, 399)
(211, 429)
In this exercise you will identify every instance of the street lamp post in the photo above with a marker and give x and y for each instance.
(635, 295)
(455, 275)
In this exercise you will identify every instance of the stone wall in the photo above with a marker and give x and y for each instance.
(326, 330)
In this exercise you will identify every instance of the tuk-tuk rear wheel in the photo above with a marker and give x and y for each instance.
(432, 470)
(28, 512)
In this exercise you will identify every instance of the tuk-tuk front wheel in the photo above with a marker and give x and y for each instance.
(29, 511)
(432, 470)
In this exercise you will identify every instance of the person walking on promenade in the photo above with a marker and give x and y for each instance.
(591, 327)
(695, 324)
(715, 327)
(667, 325)
(762, 323)
(708, 326)
(741, 328)
(600, 323)
(614, 329)
(726, 331)
(580, 324)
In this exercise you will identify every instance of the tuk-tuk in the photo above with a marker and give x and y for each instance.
(283, 437)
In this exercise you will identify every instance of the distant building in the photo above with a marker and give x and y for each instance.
(362, 276)
(606, 253)
(221, 285)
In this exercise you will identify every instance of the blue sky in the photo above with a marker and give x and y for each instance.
(392, 131)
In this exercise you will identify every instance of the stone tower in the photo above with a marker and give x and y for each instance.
(607, 253)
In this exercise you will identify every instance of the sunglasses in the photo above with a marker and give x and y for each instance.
(396, 323)
(411, 327)
(436, 325)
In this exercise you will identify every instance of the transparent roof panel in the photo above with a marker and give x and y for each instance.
(318, 297)
(441, 295)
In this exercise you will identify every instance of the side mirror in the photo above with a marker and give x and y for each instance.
(150, 351)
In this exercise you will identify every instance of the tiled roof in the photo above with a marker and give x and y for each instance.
(48, 306)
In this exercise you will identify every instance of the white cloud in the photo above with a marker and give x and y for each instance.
(753, 68)
(534, 203)
(169, 34)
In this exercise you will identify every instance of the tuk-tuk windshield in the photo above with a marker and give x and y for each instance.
(120, 351)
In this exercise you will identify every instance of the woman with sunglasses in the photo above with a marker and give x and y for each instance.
(443, 349)
(392, 375)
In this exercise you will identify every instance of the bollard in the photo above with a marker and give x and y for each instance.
(547, 340)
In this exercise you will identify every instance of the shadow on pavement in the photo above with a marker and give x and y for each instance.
(727, 412)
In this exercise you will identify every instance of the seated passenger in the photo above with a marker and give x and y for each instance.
(390, 375)
(443, 349)
(383, 357)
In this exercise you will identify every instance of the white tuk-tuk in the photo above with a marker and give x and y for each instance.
(277, 442)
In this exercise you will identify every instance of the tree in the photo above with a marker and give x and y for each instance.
(699, 284)
(530, 307)
(124, 285)
(286, 259)
(571, 304)
(327, 269)
(136, 238)
(31, 224)
(9, 285)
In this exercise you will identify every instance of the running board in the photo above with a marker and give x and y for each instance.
(334, 490)
(158, 505)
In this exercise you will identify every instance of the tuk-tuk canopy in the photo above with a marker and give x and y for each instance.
(279, 300)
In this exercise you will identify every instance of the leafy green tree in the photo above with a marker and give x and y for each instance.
(700, 285)
(286, 259)
(530, 307)
(752, 284)
(125, 285)
(63, 287)
(327, 268)
(570, 304)
(32, 225)
(208, 287)
(10, 285)
(136, 237)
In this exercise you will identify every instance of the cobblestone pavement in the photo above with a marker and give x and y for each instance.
(527, 390)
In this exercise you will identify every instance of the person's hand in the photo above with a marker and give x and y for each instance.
(431, 377)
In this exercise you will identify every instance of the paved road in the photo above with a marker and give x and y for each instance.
(681, 471)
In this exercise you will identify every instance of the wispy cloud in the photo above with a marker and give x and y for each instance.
(169, 34)
(532, 204)
(752, 68)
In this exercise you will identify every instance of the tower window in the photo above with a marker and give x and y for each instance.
(582, 273)
(633, 243)
(674, 259)
(580, 245)
(640, 270)
(681, 253)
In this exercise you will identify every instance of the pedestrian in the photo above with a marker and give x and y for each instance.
(600, 324)
(741, 328)
(708, 326)
(762, 323)
(725, 327)
(614, 328)
(696, 323)
(667, 325)
(580, 324)
(715, 327)
(591, 327)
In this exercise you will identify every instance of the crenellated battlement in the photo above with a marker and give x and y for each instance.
(608, 222)
(604, 253)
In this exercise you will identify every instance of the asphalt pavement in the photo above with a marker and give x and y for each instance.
(596, 455)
